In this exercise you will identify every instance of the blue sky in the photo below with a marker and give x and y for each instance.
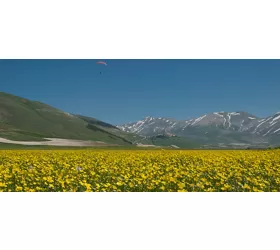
(128, 90)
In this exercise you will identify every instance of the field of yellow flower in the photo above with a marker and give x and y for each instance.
(130, 170)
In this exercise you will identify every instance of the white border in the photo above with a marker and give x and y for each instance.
(142, 29)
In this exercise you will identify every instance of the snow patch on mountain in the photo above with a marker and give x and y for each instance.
(234, 113)
(275, 118)
(198, 119)
(229, 116)
(215, 113)
(276, 130)
(240, 129)
(267, 132)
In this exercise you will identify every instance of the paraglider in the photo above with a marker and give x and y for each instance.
(102, 63)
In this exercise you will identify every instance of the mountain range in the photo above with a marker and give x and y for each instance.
(222, 129)
(25, 120)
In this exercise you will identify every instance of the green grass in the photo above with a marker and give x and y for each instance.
(22, 136)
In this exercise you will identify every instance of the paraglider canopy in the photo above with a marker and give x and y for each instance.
(101, 62)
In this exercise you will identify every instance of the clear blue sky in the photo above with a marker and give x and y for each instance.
(129, 90)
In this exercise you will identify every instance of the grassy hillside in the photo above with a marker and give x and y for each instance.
(22, 119)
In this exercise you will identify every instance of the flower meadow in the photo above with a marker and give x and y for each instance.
(139, 170)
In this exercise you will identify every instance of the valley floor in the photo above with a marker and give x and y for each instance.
(57, 142)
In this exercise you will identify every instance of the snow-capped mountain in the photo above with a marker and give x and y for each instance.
(149, 126)
(224, 125)
(236, 121)
(269, 126)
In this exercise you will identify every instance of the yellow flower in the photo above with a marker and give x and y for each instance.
(19, 189)
(181, 185)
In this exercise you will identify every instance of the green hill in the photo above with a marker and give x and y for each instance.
(22, 119)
